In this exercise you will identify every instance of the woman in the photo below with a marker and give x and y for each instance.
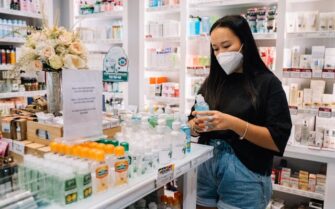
(248, 124)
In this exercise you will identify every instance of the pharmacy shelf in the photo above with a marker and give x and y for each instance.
(20, 13)
(102, 15)
(114, 94)
(22, 94)
(309, 153)
(199, 37)
(104, 41)
(163, 39)
(166, 100)
(312, 35)
(12, 40)
(265, 36)
(257, 36)
(163, 69)
(293, 191)
(164, 9)
(209, 4)
(121, 197)
(6, 67)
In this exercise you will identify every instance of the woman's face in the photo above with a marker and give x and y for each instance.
(224, 40)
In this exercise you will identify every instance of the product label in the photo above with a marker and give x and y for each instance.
(70, 198)
(306, 73)
(295, 73)
(121, 166)
(293, 110)
(70, 184)
(286, 73)
(5, 127)
(102, 176)
(165, 175)
(87, 179)
(18, 147)
(101, 172)
(87, 192)
(325, 112)
(328, 74)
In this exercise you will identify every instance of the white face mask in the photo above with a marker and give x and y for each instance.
(230, 61)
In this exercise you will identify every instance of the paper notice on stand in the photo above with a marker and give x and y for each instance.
(82, 103)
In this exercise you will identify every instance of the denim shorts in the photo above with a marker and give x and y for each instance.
(224, 182)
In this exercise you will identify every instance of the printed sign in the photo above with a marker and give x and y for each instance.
(82, 103)
(165, 175)
(116, 65)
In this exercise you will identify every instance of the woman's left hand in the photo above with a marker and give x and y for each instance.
(206, 121)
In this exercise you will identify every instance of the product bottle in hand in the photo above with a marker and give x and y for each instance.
(201, 104)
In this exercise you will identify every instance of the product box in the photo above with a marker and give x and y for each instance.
(8, 127)
(21, 129)
(312, 182)
(50, 131)
(320, 188)
(294, 183)
(303, 186)
(320, 179)
(330, 58)
(33, 149)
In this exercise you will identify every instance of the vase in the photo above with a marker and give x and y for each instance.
(53, 79)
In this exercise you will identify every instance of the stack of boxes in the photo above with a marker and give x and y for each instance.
(302, 180)
(160, 87)
(320, 183)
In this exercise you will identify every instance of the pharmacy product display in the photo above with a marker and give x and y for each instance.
(13, 28)
(98, 6)
(70, 173)
(310, 21)
(319, 64)
(162, 3)
(29, 6)
(262, 20)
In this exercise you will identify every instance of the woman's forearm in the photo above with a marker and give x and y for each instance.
(253, 133)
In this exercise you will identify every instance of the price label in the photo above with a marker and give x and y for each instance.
(18, 147)
(325, 112)
(328, 74)
(317, 74)
(295, 73)
(286, 73)
(306, 73)
(165, 175)
(293, 110)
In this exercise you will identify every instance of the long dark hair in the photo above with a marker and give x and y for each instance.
(213, 86)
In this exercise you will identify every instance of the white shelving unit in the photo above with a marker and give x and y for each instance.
(298, 192)
(20, 14)
(6, 67)
(121, 197)
(32, 19)
(12, 40)
(102, 15)
(99, 46)
(175, 73)
(22, 94)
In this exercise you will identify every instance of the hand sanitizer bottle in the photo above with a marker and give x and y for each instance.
(201, 104)
(165, 148)
(178, 139)
(187, 130)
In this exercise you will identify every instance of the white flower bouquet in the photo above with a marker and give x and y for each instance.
(52, 49)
